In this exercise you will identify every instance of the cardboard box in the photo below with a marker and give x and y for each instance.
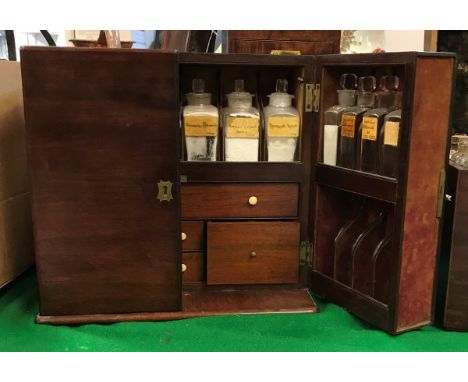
(16, 244)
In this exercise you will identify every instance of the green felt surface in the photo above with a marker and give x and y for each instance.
(331, 330)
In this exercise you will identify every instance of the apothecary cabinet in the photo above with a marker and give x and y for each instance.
(126, 229)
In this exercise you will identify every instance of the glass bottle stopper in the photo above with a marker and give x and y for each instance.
(198, 85)
(281, 85)
(348, 81)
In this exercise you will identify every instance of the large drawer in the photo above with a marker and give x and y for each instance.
(192, 235)
(252, 252)
(240, 200)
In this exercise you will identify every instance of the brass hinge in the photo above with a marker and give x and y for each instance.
(440, 194)
(309, 97)
(312, 97)
(317, 98)
(305, 252)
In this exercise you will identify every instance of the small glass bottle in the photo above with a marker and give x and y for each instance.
(332, 117)
(351, 120)
(282, 125)
(200, 124)
(241, 126)
(372, 122)
(390, 140)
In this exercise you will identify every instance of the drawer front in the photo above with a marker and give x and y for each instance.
(192, 236)
(240, 200)
(253, 252)
(194, 264)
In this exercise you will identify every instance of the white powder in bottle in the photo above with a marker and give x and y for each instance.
(241, 126)
(201, 121)
(330, 144)
(201, 148)
(281, 149)
(282, 125)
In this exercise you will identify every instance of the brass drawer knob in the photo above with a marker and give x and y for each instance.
(253, 254)
(184, 267)
(253, 200)
(184, 236)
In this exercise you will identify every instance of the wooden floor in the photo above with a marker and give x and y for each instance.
(203, 303)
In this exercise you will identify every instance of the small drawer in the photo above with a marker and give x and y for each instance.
(192, 266)
(253, 252)
(192, 236)
(239, 200)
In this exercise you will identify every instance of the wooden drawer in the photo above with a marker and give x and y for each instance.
(194, 263)
(252, 252)
(239, 200)
(192, 236)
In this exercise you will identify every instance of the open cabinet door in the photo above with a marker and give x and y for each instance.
(375, 233)
(103, 149)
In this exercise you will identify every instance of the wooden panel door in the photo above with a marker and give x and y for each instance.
(378, 230)
(101, 134)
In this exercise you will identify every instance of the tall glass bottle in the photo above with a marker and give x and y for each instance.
(390, 140)
(282, 125)
(332, 117)
(241, 126)
(200, 119)
(351, 120)
(372, 122)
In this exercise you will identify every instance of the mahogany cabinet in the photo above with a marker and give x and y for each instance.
(126, 229)
(452, 302)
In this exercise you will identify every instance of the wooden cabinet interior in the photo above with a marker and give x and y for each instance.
(369, 232)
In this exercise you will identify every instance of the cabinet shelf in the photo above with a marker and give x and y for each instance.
(366, 184)
(242, 171)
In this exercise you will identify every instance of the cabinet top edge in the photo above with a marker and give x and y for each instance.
(258, 59)
(384, 58)
(243, 58)
(93, 50)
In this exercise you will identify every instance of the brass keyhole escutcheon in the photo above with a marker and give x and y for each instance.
(165, 191)
(253, 254)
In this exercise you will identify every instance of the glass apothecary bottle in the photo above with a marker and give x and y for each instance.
(241, 126)
(390, 140)
(282, 122)
(351, 120)
(372, 122)
(332, 117)
(200, 120)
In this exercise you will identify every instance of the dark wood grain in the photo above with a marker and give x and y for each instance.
(371, 185)
(194, 235)
(209, 303)
(453, 305)
(195, 263)
(264, 41)
(230, 247)
(355, 302)
(231, 200)
(101, 133)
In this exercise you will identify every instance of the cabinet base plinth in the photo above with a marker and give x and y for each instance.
(204, 303)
